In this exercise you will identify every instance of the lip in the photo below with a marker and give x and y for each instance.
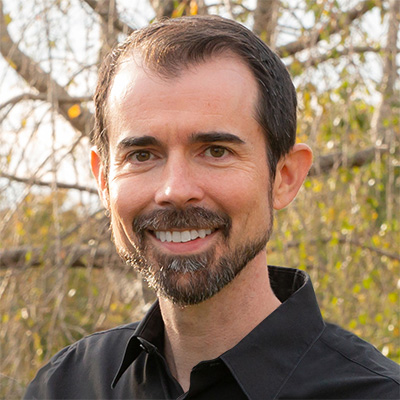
(193, 246)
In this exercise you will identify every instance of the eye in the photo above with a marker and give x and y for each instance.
(216, 151)
(140, 156)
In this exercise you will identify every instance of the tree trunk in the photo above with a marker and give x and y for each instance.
(266, 19)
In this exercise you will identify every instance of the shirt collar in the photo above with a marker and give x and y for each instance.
(148, 334)
(263, 360)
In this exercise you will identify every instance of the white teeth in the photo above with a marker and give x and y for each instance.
(176, 237)
(162, 236)
(185, 236)
(194, 234)
(182, 237)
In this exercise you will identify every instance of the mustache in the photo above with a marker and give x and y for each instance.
(173, 218)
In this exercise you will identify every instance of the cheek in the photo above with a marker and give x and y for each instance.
(127, 199)
(246, 201)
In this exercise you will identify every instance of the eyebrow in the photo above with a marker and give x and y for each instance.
(201, 137)
(137, 141)
(211, 137)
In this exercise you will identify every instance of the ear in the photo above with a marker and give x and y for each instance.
(291, 172)
(98, 171)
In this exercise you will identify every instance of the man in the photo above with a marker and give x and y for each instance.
(194, 147)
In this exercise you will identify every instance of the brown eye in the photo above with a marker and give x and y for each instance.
(216, 151)
(142, 156)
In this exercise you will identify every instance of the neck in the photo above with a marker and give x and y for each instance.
(204, 331)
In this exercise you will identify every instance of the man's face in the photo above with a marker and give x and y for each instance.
(188, 183)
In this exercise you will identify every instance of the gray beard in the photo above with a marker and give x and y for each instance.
(189, 280)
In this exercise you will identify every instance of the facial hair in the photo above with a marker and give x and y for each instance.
(190, 279)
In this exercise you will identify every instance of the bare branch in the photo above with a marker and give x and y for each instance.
(328, 162)
(344, 240)
(334, 26)
(89, 256)
(315, 61)
(36, 77)
(73, 256)
(31, 96)
(59, 185)
(118, 24)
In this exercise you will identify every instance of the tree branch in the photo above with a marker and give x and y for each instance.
(334, 26)
(163, 8)
(266, 16)
(333, 54)
(323, 164)
(60, 185)
(116, 22)
(89, 256)
(43, 97)
(72, 256)
(344, 240)
(36, 77)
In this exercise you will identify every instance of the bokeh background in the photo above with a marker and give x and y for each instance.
(60, 278)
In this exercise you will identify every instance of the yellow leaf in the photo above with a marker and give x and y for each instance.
(11, 62)
(317, 187)
(356, 288)
(194, 8)
(379, 318)
(20, 228)
(178, 12)
(363, 318)
(74, 111)
(352, 324)
(393, 297)
(7, 18)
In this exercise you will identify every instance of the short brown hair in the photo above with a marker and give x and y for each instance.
(172, 45)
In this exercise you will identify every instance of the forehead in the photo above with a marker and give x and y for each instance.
(211, 92)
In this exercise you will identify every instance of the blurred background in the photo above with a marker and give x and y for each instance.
(60, 278)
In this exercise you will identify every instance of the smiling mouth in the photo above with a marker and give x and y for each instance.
(182, 236)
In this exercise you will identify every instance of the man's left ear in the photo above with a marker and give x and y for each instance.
(291, 172)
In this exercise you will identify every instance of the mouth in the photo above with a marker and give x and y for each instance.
(174, 236)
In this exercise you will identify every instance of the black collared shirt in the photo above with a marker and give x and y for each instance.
(292, 354)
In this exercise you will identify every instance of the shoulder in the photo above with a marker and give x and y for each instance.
(357, 352)
(95, 358)
(343, 366)
(104, 343)
(96, 341)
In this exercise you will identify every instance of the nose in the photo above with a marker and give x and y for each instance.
(179, 185)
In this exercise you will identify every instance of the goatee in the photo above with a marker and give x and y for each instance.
(188, 280)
